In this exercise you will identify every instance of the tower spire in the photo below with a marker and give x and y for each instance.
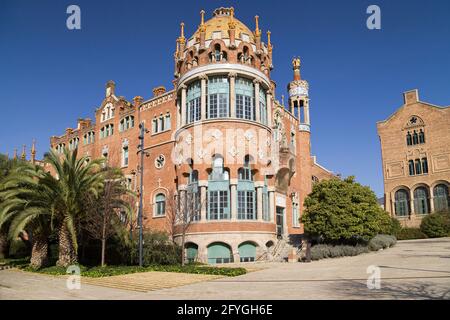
(296, 67)
(257, 30)
(23, 156)
(33, 151)
(15, 154)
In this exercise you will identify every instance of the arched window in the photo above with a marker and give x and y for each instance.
(415, 137)
(402, 203)
(160, 205)
(89, 137)
(193, 196)
(218, 92)
(421, 205)
(247, 252)
(218, 191)
(126, 123)
(424, 165)
(411, 167)
(73, 143)
(441, 198)
(409, 139)
(219, 253)
(421, 136)
(262, 105)
(217, 53)
(193, 99)
(418, 167)
(245, 107)
(246, 192)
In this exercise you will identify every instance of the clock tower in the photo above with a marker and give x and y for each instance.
(299, 98)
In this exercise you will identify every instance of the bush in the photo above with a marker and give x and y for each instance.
(410, 233)
(323, 251)
(436, 225)
(343, 211)
(381, 241)
(97, 272)
(158, 249)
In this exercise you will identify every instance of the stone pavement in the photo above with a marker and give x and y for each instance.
(416, 269)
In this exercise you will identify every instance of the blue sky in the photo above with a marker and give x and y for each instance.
(50, 76)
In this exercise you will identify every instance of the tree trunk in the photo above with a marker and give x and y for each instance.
(4, 246)
(103, 240)
(182, 248)
(39, 251)
(67, 255)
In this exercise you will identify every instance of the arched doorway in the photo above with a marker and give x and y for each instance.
(191, 252)
(247, 252)
(219, 252)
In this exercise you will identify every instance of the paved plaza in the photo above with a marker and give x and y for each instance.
(416, 269)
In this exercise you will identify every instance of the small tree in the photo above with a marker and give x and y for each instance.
(344, 211)
(183, 209)
(109, 211)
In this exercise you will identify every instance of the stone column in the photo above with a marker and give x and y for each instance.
(203, 202)
(411, 202)
(203, 78)
(233, 199)
(272, 206)
(259, 202)
(431, 204)
(258, 113)
(183, 105)
(178, 114)
(232, 79)
(306, 111)
(269, 109)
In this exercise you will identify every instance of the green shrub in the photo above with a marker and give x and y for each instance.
(323, 251)
(395, 227)
(436, 225)
(158, 249)
(97, 272)
(410, 233)
(343, 211)
(381, 241)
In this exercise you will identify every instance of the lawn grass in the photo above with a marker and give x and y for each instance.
(97, 272)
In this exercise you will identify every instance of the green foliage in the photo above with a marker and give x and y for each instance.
(436, 225)
(158, 249)
(343, 211)
(381, 241)
(323, 251)
(107, 271)
(410, 233)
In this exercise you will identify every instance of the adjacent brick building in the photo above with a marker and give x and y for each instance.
(219, 138)
(415, 147)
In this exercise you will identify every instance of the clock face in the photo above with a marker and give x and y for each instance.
(159, 161)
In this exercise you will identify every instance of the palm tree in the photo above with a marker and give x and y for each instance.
(6, 165)
(25, 207)
(57, 196)
(73, 182)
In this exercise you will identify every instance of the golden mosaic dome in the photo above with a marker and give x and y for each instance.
(222, 20)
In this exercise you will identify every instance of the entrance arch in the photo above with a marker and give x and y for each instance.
(247, 251)
(219, 252)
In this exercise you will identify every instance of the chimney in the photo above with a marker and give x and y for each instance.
(159, 91)
(411, 96)
(110, 88)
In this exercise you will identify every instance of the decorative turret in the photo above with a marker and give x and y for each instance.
(298, 97)
(23, 156)
(181, 39)
(202, 30)
(257, 34)
(15, 154)
(232, 29)
(269, 48)
(110, 88)
(33, 152)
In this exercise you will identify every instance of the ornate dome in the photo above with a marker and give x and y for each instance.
(221, 21)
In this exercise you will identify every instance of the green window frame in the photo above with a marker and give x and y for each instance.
(193, 102)
(245, 104)
(263, 106)
(160, 203)
(441, 198)
(421, 205)
(217, 97)
(402, 203)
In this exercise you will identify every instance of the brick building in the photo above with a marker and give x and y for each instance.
(220, 138)
(415, 147)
